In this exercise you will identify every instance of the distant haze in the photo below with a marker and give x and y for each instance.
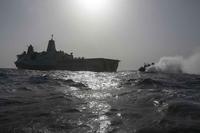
(133, 31)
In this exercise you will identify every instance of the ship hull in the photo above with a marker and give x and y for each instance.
(96, 65)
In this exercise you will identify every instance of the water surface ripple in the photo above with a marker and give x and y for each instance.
(90, 102)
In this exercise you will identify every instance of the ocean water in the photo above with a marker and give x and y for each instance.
(90, 102)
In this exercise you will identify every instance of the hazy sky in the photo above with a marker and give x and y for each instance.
(134, 31)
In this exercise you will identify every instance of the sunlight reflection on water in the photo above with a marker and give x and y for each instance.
(96, 99)
(104, 124)
(94, 80)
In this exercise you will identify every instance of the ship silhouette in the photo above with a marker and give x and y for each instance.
(51, 59)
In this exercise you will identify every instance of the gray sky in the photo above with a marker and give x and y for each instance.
(134, 31)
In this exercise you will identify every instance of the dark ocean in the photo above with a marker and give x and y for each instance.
(90, 102)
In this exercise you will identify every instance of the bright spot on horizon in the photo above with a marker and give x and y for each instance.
(93, 6)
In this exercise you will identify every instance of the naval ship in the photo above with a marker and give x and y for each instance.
(51, 59)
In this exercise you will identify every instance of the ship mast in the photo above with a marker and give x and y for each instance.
(51, 46)
(51, 36)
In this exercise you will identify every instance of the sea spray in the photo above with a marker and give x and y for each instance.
(177, 64)
(192, 64)
(168, 65)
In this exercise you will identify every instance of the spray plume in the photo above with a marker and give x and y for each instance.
(177, 64)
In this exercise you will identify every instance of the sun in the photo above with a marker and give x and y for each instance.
(93, 6)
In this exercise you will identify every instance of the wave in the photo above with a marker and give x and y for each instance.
(39, 79)
(184, 108)
(3, 75)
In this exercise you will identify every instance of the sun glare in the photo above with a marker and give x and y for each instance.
(93, 6)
